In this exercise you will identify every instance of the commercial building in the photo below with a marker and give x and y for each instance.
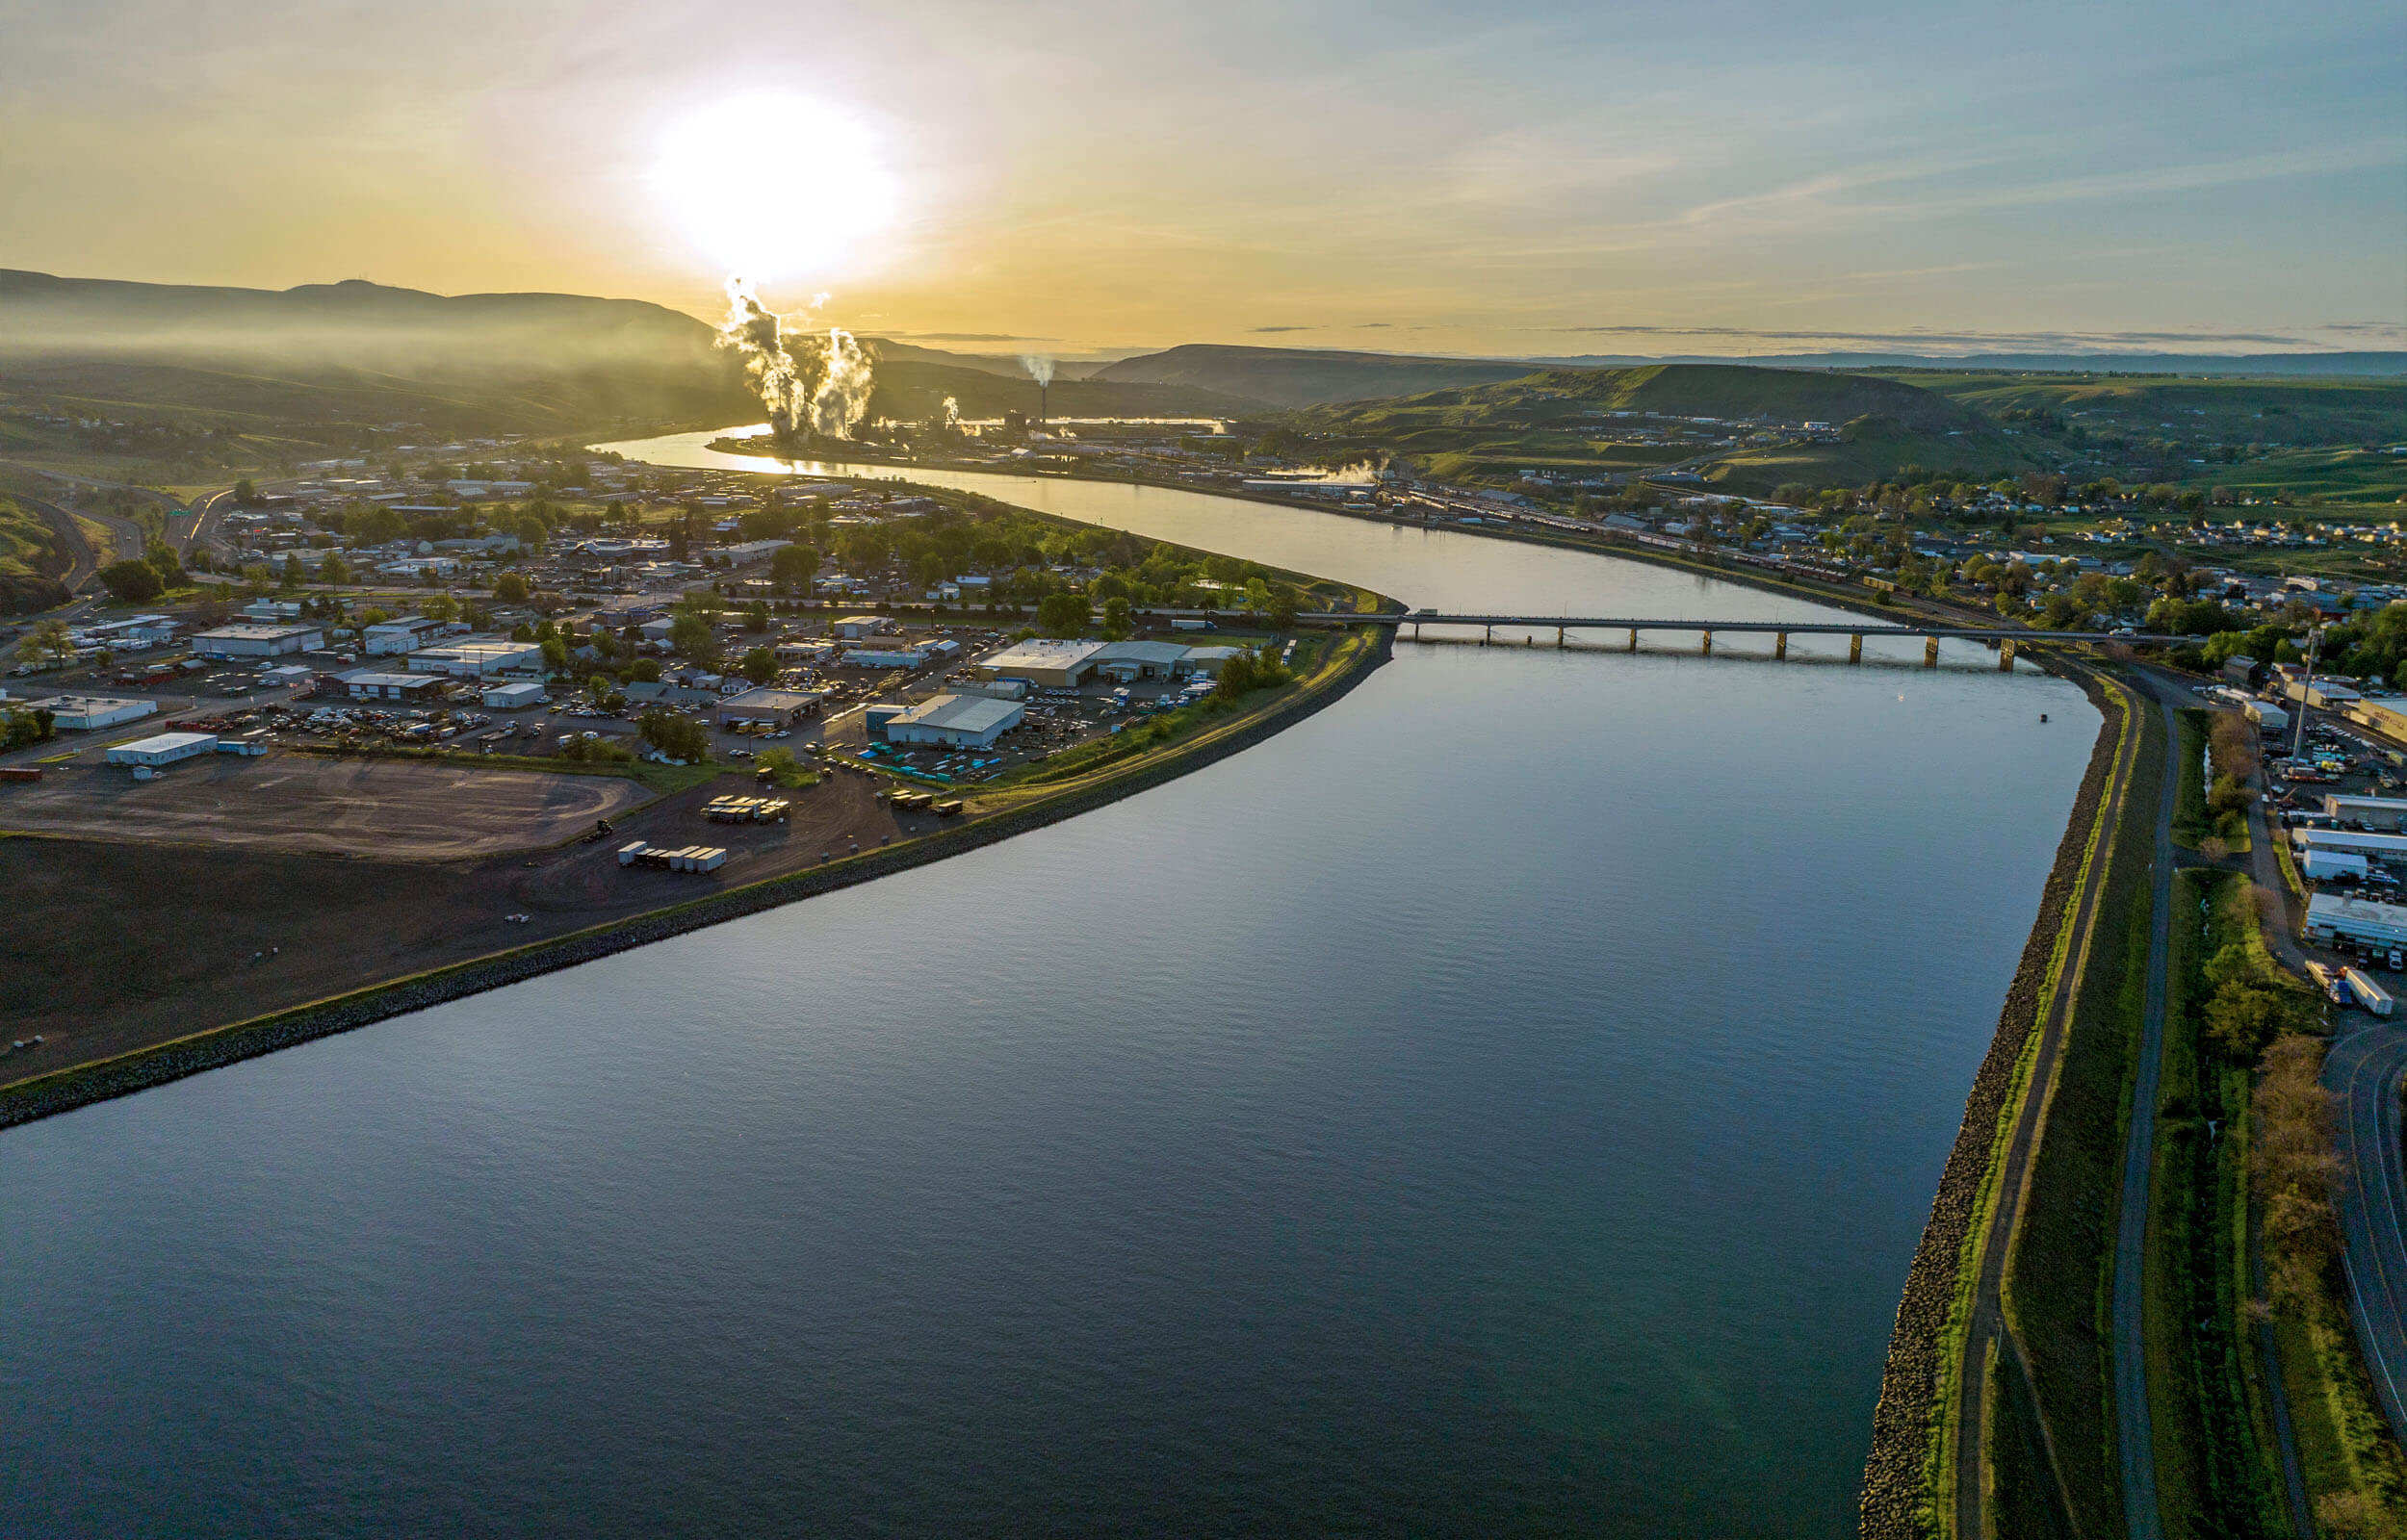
(2325, 865)
(2268, 717)
(775, 707)
(745, 553)
(853, 627)
(2332, 918)
(259, 641)
(2386, 813)
(89, 713)
(476, 656)
(1208, 660)
(2387, 847)
(1140, 660)
(164, 748)
(405, 634)
(2323, 695)
(884, 657)
(515, 696)
(649, 692)
(376, 684)
(1055, 666)
(956, 721)
(2382, 716)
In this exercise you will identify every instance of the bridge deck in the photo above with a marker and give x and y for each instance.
(1786, 628)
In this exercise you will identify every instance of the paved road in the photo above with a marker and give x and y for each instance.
(2364, 1069)
(1988, 1321)
(2134, 1434)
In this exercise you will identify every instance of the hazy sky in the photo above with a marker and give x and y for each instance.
(1530, 178)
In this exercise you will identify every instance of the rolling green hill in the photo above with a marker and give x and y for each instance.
(1302, 376)
(1566, 397)
(31, 560)
(1873, 449)
(327, 356)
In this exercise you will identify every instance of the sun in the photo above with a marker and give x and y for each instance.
(773, 185)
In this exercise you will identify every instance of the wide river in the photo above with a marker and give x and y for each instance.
(1505, 1103)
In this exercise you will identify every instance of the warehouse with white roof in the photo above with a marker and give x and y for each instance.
(956, 721)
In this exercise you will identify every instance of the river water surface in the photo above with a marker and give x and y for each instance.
(1504, 1103)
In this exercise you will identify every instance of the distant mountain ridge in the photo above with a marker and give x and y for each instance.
(1302, 376)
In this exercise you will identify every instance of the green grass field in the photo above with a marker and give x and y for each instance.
(2056, 1293)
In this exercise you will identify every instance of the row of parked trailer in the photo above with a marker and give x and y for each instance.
(687, 859)
(921, 802)
(746, 810)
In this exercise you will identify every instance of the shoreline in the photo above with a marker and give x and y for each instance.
(1903, 1428)
(1603, 544)
(123, 1074)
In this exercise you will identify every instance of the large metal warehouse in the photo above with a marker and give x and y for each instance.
(957, 721)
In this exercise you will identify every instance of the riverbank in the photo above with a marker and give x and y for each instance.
(1604, 543)
(185, 1054)
(1905, 1475)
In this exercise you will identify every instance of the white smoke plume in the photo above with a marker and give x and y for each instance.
(807, 381)
(1040, 368)
(952, 414)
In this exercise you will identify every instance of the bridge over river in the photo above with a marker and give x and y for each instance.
(2005, 638)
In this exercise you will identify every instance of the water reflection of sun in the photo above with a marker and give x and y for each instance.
(773, 185)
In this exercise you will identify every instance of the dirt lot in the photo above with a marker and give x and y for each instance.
(111, 946)
(393, 810)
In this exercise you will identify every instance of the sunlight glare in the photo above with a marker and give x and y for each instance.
(773, 185)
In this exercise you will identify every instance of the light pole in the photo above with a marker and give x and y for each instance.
(2299, 733)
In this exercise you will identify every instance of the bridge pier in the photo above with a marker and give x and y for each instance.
(1487, 636)
(1931, 652)
(1781, 647)
(1633, 638)
(1706, 646)
(2005, 655)
(1855, 648)
(1559, 641)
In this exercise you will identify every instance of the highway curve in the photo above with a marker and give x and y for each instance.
(2363, 1070)
(1989, 1320)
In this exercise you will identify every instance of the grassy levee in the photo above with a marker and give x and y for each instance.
(2057, 1290)
(64, 1090)
(2192, 823)
(2218, 1471)
(1909, 1483)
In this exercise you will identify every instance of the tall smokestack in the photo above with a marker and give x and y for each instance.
(1041, 369)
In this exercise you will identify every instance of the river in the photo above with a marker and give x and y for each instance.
(1505, 1103)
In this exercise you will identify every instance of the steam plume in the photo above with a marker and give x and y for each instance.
(952, 414)
(1040, 368)
(807, 381)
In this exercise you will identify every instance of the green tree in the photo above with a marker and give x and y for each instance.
(692, 637)
(1118, 619)
(555, 653)
(294, 575)
(162, 560)
(246, 494)
(759, 666)
(132, 583)
(794, 567)
(1061, 615)
(510, 588)
(680, 737)
(46, 642)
